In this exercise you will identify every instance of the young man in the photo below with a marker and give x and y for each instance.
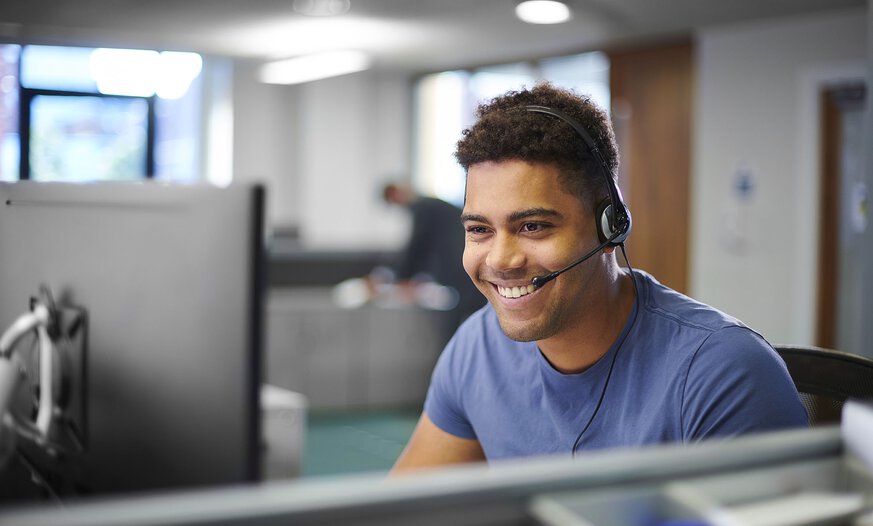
(593, 356)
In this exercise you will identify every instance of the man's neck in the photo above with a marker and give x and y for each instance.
(580, 347)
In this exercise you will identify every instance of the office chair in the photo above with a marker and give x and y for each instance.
(826, 378)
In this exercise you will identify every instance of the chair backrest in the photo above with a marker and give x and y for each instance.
(826, 378)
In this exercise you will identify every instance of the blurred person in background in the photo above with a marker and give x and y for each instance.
(434, 251)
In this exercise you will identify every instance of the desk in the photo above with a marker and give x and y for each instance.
(637, 487)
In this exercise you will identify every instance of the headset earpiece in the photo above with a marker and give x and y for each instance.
(602, 218)
(612, 216)
(606, 224)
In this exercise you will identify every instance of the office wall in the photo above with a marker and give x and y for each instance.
(265, 135)
(755, 164)
(323, 149)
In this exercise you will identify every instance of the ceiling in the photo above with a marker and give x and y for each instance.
(412, 35)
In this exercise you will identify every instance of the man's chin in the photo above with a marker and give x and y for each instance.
(520, 332)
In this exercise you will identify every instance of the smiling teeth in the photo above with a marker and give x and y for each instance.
(515, 292)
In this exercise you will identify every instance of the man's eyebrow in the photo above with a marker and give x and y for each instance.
(473, 217)
(519, 215)
(533, 212)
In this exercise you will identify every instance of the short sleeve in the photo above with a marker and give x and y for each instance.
(737, 384)
(444, 404)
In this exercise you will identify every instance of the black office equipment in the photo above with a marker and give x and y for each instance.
(169, 281)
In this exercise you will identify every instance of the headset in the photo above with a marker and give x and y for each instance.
(612, 217)
(614, 223)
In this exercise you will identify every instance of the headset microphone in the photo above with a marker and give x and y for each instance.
(539, 281)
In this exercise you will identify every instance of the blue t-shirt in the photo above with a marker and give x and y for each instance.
(683, 372)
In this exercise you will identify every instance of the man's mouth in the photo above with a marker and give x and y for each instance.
(515, 292)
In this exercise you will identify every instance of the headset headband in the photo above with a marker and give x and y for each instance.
(620, 217)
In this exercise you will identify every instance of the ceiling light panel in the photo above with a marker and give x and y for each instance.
(543, 12)
(322, 7)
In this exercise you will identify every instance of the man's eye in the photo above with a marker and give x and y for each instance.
(476, 229)
(532, 227)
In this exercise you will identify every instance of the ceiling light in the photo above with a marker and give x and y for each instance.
(322, 7)
(314, 67)
(542, 12)
(296, 36)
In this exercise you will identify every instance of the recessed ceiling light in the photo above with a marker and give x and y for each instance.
(322, 7)
(542, 12)
(314, 67)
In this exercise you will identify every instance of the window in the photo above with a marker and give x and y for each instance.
(88, 114)
(80, 138)
(445, 103)
(9, 142)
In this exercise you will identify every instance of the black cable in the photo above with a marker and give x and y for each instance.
(615, 354)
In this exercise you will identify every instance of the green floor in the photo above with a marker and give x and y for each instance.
(355, 441)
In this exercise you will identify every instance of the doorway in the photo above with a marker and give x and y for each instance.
(843, 206)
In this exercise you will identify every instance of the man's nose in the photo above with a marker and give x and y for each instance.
(505, 253)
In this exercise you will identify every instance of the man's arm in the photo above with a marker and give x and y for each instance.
(430, 447)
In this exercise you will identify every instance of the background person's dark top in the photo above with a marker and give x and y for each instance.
(436, 248)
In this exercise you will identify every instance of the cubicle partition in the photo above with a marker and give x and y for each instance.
(373, 356)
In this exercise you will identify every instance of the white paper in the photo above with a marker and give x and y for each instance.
(857, 430)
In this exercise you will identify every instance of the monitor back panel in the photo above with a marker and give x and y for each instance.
(169, 277)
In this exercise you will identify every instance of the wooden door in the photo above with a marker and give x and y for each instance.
(652, 92)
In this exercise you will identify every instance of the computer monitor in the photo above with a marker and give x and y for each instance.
(162, 376)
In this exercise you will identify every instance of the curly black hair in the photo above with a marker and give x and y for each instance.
(506, 131)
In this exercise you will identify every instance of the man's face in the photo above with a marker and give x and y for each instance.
(521, 223)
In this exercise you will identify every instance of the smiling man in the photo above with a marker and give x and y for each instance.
(574, 352)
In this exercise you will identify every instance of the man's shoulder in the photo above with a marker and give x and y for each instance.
(684, 328)
(671, 306)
